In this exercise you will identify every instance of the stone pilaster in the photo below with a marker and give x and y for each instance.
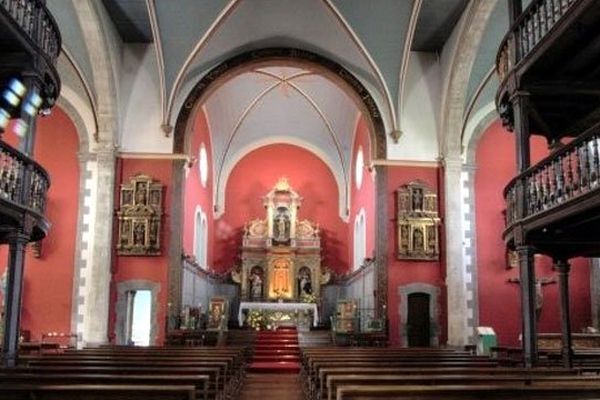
(98, 271)
(458, 315)
(595, 291)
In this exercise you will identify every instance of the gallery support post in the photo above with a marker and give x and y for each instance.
(563, 268)
(17, 242)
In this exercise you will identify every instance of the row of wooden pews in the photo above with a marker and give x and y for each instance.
(132, 373)
(428, 374)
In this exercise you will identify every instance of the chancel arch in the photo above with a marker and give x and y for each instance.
(333, 146)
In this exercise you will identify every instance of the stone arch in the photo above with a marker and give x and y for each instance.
(339, 75)
(336, 72)
(434, 309)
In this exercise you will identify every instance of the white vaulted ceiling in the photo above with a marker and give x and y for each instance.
(281, 104)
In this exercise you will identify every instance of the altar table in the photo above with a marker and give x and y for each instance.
(247, 305)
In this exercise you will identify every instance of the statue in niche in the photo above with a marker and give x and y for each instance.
(138, 234)
(281, 270)
(417, 199)
(256, 283)
(418, 240)
(281, 227)
(304, 282)
(140, 193)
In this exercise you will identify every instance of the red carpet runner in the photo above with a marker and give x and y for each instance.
(276, 351)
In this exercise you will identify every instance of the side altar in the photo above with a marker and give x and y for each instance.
(280, 254)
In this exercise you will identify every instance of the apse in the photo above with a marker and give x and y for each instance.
(270, 121)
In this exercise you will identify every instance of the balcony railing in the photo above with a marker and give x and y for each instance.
(568, 173)
(34, 19)
(23, 182)
(536, 21)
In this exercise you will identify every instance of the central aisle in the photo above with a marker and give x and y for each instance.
(264, 386)
(276, 352)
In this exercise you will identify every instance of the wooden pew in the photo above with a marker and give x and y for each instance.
(95, 392)
(199, 382)
(214, 387)
(335, 381)
(124, 365)
(326, 373)
(553, 391)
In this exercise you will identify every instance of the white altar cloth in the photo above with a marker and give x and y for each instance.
(247, 305)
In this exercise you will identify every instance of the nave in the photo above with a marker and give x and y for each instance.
(326, 372)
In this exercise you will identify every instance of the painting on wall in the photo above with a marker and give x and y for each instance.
(139, 217)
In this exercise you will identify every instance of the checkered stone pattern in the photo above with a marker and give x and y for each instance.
(469, 249)
(84, 245)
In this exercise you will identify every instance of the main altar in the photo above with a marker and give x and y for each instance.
(280, 255)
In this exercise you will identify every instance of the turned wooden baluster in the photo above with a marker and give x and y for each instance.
(577, 177)
(539, 192)
(585, 167)
(3, 175)
(560, 180)
(532, 200)
(545, 189)
(595, 161)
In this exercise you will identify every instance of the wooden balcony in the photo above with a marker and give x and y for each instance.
(30, 43)
(23, 193)
(551, 54)
(559, 199)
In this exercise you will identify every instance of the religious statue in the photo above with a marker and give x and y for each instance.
(256, 284)
(539, 294)
(305, 284)
(281, 283)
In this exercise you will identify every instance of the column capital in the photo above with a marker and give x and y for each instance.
(562, 266)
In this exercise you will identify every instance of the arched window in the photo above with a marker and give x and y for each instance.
(201, 238)
(359, 167)
(360, 239)
(203, 165)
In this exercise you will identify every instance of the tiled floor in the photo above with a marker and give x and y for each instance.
(271, 386)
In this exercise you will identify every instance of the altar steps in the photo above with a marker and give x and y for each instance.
(276, 352)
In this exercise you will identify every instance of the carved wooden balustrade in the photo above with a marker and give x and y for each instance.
(23, 182)
(565, 175)
(529, 30)
(35, 21)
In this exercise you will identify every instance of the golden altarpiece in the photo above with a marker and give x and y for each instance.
(139, 217)
(418, 222)
(281, 255)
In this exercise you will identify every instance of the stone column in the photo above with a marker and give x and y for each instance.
(563, 268)
(98, 276)
(455, 271)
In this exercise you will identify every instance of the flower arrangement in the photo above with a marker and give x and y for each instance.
(257, 320)
(309, 298)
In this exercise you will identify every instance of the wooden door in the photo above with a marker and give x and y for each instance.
(418, 322)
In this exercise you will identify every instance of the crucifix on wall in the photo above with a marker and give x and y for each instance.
(539, 294)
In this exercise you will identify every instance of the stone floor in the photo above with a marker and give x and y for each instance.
(271, 387)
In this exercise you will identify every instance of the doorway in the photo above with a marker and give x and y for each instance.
(418, 324)
(139, 316)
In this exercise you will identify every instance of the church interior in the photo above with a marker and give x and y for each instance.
(299, 199)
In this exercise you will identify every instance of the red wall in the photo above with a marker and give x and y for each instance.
(48, 287)
(154, 268)
(495, 167)
(255, 175)
(194, 193)
(403, 272)
(363, 198)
